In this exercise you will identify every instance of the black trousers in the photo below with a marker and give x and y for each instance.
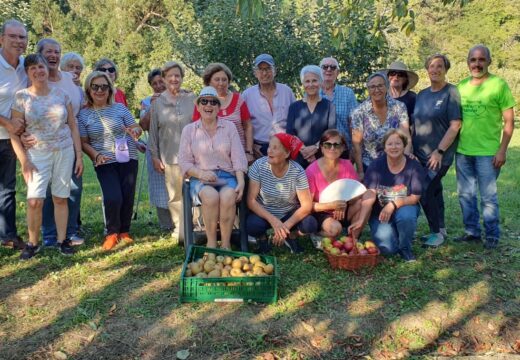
(432, 199)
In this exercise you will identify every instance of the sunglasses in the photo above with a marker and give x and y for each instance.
(329, 67)
(102, 88)
(110, 69)
(328, 145)
(397, 73)
(209, 101)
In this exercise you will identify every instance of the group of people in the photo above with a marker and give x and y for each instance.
(398, 143)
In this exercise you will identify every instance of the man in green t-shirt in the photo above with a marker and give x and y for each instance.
(487, 128)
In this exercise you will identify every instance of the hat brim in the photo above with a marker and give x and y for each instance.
(413, 78)
(342, 189)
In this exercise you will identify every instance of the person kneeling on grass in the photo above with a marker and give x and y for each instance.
(47, 113)
(396, 181)
(279, 196)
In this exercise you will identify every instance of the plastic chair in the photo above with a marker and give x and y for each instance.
(191, 236)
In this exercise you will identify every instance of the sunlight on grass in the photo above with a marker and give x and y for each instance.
(444, 274)
(364, 306)
(301, 297)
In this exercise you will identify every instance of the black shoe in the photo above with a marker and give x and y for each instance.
(29, 251)
(263, 246)
(15, 243)
(407, 255)
(467, 238)
(293, 246)
(66, 248)
(491, 243)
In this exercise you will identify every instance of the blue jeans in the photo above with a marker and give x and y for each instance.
(397, 234)
(7, 191)
(473, 171)
(257, 226)
(74, 202)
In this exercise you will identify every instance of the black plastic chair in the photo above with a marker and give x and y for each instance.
(191, 236)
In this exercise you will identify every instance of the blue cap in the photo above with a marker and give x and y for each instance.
(264, 58)
(208, 91)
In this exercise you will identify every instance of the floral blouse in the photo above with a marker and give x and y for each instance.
(364, 119)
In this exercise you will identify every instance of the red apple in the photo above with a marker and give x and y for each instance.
(348, 246)
(337, 244)
(372, 250)
(363, 252)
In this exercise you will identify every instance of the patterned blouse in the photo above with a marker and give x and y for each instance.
(365, 120)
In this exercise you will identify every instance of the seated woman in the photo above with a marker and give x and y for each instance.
(331, 216)
(279, 196)
(47, 113)
(395, 180)
(310, 117)
(211, 154)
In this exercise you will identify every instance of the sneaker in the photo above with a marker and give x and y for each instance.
(29, 251)
(444, 232)
(251, 239)
(293, 246)
(66, 248)
(491, 243)
(434, 240)
(467, 238)
(110, 241)
(407, 255)
(316, 241)
(264, 247)
(15, 243)
(76, 240)
(126, 238)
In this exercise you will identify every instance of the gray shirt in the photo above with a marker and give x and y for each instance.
(433, 113)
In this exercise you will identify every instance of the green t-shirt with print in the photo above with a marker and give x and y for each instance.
(482, 107)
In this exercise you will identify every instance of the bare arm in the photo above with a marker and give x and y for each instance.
(15, 125)
(73, 126)
(357, 140)
(27, 166)
(509, 125)
(367, 201)
(305, 199)
(435, 160)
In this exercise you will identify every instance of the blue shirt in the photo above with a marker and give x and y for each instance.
(345, 101)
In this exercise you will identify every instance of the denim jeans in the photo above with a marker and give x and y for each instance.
(473, 172)
(397, 234)
(257, 226)
(7, 191)
(74, 202)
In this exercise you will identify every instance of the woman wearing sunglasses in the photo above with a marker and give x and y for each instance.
(212, 155)
(402, 81)
(108, 133)
(332, 216)
(372, 119)
(109, 67)
(310, 117)
(170, 112)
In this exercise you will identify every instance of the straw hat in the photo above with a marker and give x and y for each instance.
(413, 78)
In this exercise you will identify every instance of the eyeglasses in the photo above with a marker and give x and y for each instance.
(264, 69)
(110, 69)
(328, 145)
(102, 88)
(397, 73)
(329, 67)
(14, 37)
(213, 102)
(376, 87)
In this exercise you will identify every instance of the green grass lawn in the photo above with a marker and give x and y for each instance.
(456, 300)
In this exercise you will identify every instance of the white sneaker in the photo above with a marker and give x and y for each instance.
(76, 240)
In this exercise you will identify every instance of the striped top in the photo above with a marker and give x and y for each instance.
(278, 195)
(222, 151)
(101, 126)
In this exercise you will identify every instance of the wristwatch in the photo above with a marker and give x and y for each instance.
(440, 151)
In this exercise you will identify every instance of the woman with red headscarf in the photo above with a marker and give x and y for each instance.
(279, 196)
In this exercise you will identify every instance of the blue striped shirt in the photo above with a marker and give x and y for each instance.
(278, 195)
(345, 101)
(101, 133)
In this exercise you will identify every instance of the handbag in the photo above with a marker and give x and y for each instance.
(121, 151)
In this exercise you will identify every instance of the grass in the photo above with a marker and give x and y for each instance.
(456, 300)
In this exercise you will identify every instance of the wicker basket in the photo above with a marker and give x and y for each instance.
(352, 262)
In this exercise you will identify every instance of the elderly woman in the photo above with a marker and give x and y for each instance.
(157, 193)
(108, 133)
(48, 115)
(372, 119)
(437, 123)
(109, 67)
(50, 49)
(233, 106)
(73, 63)
(394, 183)
(332, 216)
(213, 157)
(170, 112)
(279, 196)
(401, 81)
(310, 117)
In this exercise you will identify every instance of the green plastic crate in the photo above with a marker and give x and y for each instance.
(230, 289)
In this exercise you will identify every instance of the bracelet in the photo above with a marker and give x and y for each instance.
(393, 203)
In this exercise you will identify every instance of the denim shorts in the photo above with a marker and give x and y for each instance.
(196, 185)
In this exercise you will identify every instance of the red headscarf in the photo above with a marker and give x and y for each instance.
(291, 143)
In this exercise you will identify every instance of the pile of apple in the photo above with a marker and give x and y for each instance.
(346, 246)
(216, 266)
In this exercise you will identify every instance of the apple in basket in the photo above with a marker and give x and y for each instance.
(334, 251)
(337, 244)
(326, 241)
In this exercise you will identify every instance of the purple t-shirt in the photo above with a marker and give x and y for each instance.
(390, 186)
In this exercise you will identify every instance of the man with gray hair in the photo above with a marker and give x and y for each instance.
(268, 104)
(341, 96)
(12, 78)
(487, 128)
